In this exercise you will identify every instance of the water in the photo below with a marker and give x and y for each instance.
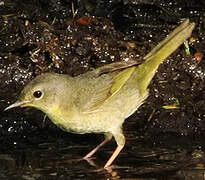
(141, 159)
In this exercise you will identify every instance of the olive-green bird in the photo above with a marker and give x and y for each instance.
(100, 100)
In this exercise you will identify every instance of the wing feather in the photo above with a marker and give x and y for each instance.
(104, 87)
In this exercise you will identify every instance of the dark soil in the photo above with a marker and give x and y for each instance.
(72, 37)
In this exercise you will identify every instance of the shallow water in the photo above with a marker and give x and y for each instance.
(27, 152)
(141, 159)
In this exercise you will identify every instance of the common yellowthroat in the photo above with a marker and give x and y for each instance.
(100, 100)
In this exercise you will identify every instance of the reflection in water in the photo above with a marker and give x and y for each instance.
(54, 161)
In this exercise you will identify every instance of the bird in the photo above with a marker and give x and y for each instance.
(100, 100)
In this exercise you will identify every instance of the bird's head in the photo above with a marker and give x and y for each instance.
(42, 92)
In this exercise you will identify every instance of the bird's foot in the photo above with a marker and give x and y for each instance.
(109, 169)
(90, 161)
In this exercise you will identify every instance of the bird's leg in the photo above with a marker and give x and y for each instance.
(108, 137)
(113, 156)
(120, 139)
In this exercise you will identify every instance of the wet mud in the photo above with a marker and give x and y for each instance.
(165, 137)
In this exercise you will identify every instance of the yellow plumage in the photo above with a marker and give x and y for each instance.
(99, 101)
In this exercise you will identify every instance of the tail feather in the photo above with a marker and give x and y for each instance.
(145, 72)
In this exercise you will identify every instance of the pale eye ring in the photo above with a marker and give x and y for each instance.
(38, 94)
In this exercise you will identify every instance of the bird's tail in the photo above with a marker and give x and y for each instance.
(145, 72)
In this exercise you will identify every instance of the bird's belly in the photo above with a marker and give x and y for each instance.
(80, 124)
(107, 119)
(72, 129)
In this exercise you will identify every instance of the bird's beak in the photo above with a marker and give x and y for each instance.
(17, 104)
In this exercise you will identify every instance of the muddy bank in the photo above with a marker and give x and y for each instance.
(164, 137)
(64, 37)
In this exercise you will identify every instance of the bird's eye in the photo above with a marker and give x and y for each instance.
(37, 94)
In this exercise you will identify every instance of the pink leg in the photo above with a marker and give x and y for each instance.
(108, 137)
(120, 139)
(113, 156)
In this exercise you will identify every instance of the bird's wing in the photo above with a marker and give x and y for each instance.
(103, 83)
(116, 66)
